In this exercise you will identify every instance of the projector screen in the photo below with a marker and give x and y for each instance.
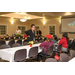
(68, 25)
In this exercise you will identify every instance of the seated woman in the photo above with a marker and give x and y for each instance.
(46, 44)
(55, 43)
(73, 45)
(64, 41)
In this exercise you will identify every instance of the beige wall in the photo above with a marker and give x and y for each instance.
(49, 22)
(11, 28)
(45, 31)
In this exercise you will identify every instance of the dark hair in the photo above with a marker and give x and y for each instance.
(50, 39)
(45, 39)
(65, 35)
(32, 25)
(55, 37)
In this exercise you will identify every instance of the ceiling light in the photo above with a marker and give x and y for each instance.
(68, 13)
(28, 18)
(2, 15)
(22, 20)
(25, 17)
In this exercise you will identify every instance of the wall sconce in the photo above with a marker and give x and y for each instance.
(12, 19)
(44, 22)
(60, 21)
(12, 22)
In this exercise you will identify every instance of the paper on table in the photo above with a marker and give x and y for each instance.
(8, 50)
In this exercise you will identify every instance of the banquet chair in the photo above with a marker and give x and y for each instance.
(12, 38)
(50, 60)
(4, 46)
(72, 53)
(40, 41)
(2, 42)
(16, 45)
(21, 37)
(64, 57)
(20, 55)
(11, 42)
(33, 52)
(49, 53)
(19, 41)
(17, 37)
(25, 43)
(6, 38)
(59, 50)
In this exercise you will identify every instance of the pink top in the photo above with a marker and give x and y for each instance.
(46, 44)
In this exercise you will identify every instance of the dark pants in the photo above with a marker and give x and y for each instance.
(40, 56)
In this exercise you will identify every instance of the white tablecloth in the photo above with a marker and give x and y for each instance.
(15, 42)
(72, 60)
(8, 54)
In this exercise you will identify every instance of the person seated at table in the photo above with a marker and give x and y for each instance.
(46, 44)
(18, 31)
(73, 45)
(65, 42)
(55, 43)
(39, 32)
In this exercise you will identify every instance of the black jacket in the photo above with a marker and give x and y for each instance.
(39, 32)
(31, 34)
(73, 46)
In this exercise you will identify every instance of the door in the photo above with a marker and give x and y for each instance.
(52, 30)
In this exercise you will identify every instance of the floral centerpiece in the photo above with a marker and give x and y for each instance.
(25, 36)
(41, 36)
(0, 38)
(18, 35)
(31, 43)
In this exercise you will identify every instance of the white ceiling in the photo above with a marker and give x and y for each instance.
(58, 13)
(36, 15)
(21, 15)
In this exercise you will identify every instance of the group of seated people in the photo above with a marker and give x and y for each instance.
(53, 40)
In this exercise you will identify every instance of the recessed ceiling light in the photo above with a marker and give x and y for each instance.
(2, 15)
(25, 17)
(28, 18)
(68, 13)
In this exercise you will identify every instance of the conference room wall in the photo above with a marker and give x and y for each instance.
(11, 28)
(45, 28)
